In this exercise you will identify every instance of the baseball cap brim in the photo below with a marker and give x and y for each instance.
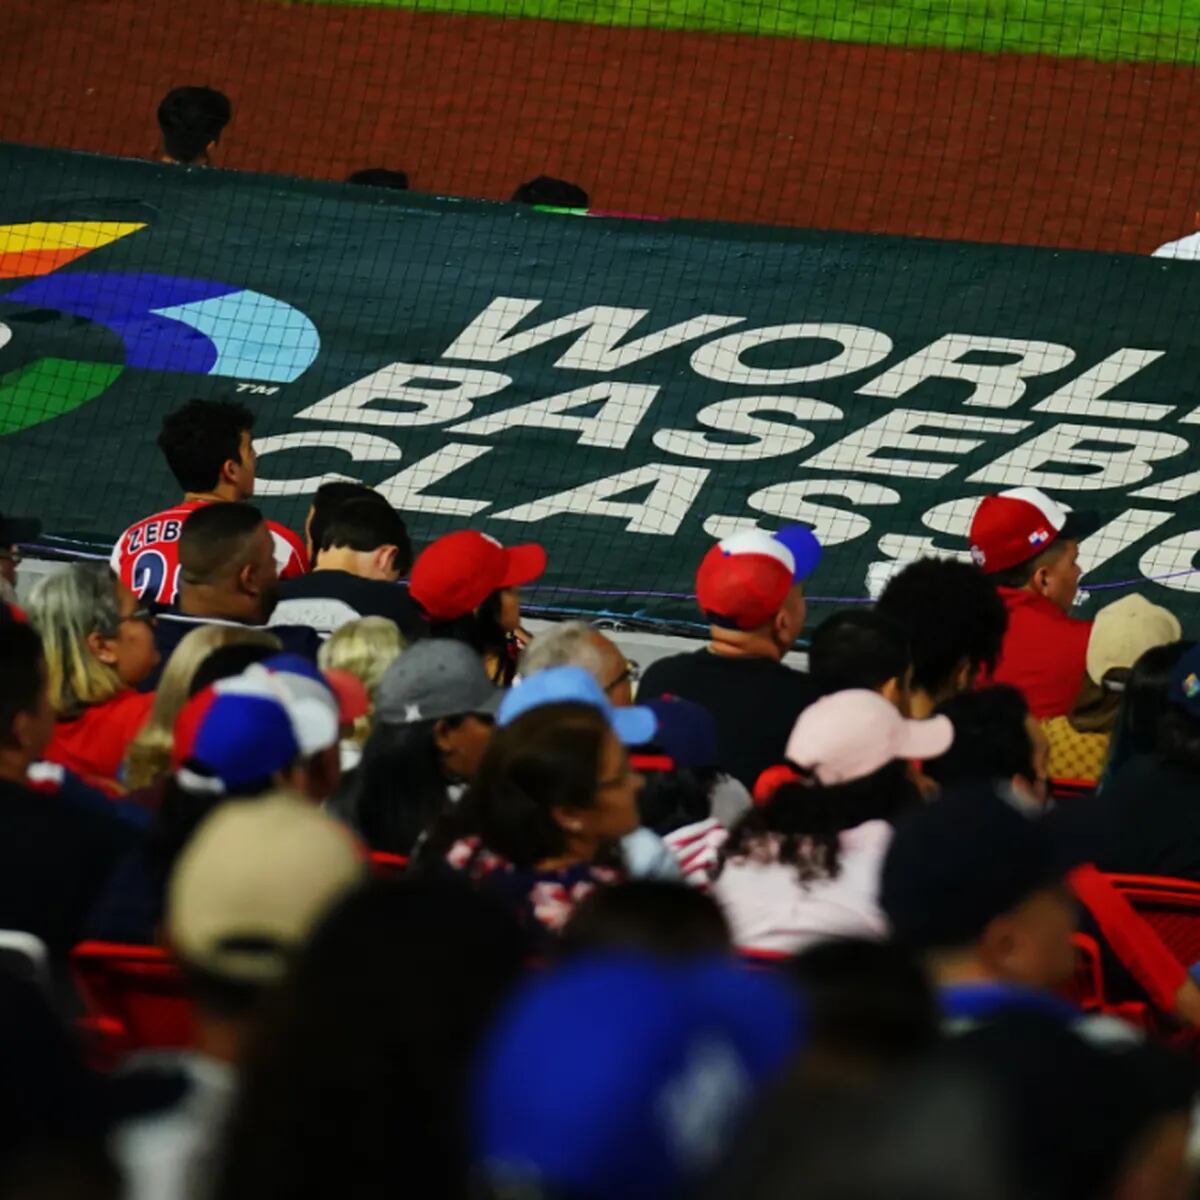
(1079, 525)
(16, 530)
(922, 740)
(523, 564)
(634, 726)
(488, 705)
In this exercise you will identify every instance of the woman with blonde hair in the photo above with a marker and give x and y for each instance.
(99, 645)
(365, 648)
(149, 757)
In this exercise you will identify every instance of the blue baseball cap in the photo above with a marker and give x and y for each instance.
(625, 1077)
(573, 685)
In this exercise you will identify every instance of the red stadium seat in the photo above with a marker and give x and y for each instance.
(1170, 906)
(388, 864)
(1086, 988)
(1072, 789)
(135, 999)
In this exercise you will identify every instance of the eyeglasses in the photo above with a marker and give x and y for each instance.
(632, 673)
(143, 614)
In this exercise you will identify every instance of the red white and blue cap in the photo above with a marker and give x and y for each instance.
(745, 578)
(1014, 526)
(625, 1077)
(243, 729)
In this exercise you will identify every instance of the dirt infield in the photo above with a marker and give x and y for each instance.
(927, 142)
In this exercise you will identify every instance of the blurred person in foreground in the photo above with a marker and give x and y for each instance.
(209, 447)
(954, 623)
(56, 851)
(191, 121)
(227, 577)
(363, 552)
(380, 177)
(1121, 633)
(99, 645)
(647, 916)
(1028, 545)
(644, 1104)
(996, 741)
(359, 1082)
(243, 898)
(434, 712)
(468, 587)
(542, 820)
(804, 864)
(977, 886)
(750, 586)
(148, 759)
(269, 726)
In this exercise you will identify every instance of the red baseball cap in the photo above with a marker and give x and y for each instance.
(745, 578)
(1014, 526)
(456, 574)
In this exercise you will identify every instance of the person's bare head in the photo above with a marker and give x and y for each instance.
(227, 564)
(192, 120)
(576, 644)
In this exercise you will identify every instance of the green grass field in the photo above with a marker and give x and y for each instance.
(1145, 30)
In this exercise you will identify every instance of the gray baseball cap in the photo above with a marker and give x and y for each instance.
(435, 678)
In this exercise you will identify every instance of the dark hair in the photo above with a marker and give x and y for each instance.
(951, 613)
(198, 439)
(1020, 575)
(1143, 703)
(547, 758)
(329, 498)
(647, 916)
(367, 525)
(808, 816)
(857, 648)
(485, 635)
(380, 177)
(190, 118)
(227, 661)
(22, 669)
(867, 1001)
(398, 789)
(1179, 738)
(990, 737)
(214, 539)
(359, 1079)
(220, 997)
(551, 193)
(671, 799)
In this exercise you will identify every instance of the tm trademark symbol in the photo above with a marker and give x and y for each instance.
(257, 389)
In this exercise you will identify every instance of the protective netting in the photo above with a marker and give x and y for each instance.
(622, 390)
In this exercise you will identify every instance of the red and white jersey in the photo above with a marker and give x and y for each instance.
(146, 555)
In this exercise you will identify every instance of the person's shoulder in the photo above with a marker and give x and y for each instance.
(662, 670)
(291, 553)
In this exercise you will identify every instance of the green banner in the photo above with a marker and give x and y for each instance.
(622, 391)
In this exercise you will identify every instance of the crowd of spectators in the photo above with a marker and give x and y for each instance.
(474, 912)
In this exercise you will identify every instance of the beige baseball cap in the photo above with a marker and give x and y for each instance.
(1124, 630)
(252, 883)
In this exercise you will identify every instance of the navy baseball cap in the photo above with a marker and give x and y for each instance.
(958, 863)
(626, 1077)
(687, 732)
(573, 685)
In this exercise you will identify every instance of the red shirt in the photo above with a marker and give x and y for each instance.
(1044, 654)
(93, 745)
(146, 555)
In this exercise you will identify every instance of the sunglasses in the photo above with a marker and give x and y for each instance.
(632, 673)
(143, 614)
